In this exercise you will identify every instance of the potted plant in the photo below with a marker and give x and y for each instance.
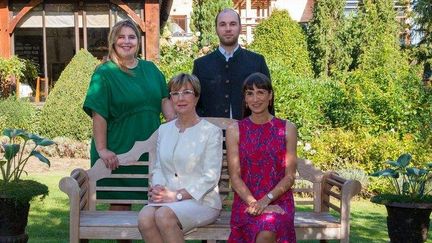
(15, 193)
(409, 204)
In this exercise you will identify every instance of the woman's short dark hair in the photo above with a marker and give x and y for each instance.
(261, 81)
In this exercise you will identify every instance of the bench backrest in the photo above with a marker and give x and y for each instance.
(310, 181)
(99, 171)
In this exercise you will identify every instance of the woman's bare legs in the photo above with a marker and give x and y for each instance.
(266, 237)
(169, 225)
(147, 225)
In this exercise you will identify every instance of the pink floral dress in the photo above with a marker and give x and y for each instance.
(262, 152)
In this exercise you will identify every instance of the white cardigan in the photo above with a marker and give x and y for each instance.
(191, 160)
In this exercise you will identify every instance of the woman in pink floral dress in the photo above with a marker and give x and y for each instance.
(262, 162)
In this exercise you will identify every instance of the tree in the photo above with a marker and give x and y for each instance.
(283, 43)
(203, 19)
(378, 37)
(423, 26)
(326, 46)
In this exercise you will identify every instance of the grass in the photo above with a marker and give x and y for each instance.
(49, 219)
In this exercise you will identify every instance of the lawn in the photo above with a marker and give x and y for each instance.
(49, 219)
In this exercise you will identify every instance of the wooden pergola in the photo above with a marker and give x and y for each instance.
(153, 15)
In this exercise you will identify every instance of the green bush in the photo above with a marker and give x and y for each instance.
(11, 67)
(338, 149)
(381, 104)
(301, 100)
(16, 113)
(30, 73)
(177, 57)
(62, 114)
(283, 43)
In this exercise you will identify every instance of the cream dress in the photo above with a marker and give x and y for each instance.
(192, 160)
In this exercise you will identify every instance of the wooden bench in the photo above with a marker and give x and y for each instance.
(322, 191)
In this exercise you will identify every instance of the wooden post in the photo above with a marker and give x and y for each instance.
(17, 88)
(37, 95)
(152, 25)
(5, 39)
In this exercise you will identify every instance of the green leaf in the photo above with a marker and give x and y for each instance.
(386, 172)
(40, 140)
(45, 142)
(413, 171)
(41, 157)
(12, 132)
(10, 150)
(2, 162)
(24, 135)
(393, 163)
(404, 160)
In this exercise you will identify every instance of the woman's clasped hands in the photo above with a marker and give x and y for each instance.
(161, 194)
(261, 206)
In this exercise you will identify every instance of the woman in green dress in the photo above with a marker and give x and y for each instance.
(125, 98)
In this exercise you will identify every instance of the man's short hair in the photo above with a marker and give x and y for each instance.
(226, 10)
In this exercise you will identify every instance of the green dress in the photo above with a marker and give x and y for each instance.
(131, 105)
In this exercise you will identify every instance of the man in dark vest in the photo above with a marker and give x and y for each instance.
(222, 72)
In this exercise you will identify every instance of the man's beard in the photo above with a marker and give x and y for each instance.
(232, 42)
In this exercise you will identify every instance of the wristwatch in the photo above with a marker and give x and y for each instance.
(270, 196)
(179, 196)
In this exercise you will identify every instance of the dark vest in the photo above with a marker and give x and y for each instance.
(222, 81)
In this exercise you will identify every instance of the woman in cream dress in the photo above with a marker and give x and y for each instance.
(184, 193)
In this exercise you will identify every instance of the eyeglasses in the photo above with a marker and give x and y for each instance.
(184, 93)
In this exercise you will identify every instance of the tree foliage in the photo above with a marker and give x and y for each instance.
(283, 43)
(327, 45)
(203, 19)
(423, 23)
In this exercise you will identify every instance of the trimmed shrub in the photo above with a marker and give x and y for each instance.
(62, 115)
(283, 43)
(16, 113)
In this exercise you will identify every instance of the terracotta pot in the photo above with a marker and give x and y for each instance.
(13, 220)
(408, 222)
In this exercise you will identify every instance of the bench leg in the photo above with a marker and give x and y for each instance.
(323, 241)
(84, 241)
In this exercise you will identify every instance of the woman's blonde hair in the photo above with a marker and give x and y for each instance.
(113, 35)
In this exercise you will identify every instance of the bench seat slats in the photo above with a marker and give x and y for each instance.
(130, 218)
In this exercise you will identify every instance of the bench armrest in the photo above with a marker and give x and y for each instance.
(76, 187)
(342, 190)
